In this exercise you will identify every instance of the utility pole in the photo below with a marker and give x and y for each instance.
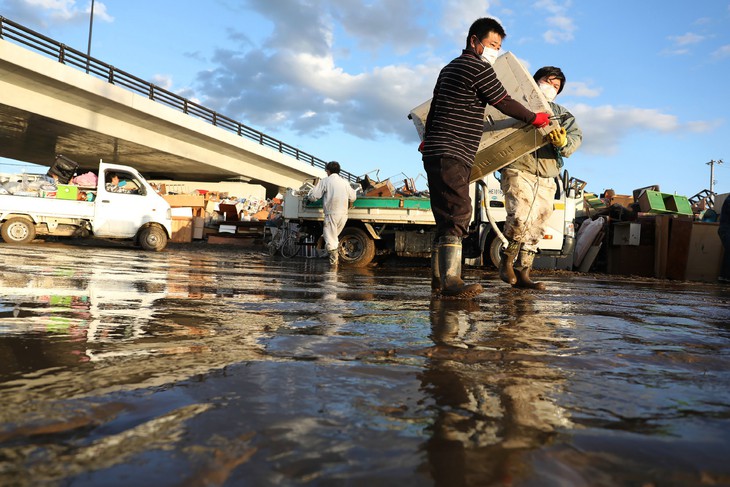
(712, 173)
(91, 26)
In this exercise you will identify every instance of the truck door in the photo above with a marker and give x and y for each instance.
(120, 205)
(555, 230)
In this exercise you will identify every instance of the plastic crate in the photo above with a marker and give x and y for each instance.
(67, 192)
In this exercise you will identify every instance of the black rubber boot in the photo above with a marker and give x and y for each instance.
(435, 274)
(452, 286)
(523, 273)
(506, 263)
(450, 320)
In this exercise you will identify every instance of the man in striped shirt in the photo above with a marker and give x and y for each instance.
(454, 128)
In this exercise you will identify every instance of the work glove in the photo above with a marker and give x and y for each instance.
(541, 120)
(558, 137)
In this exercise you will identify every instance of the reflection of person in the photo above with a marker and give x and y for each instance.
(529, 186)
(336, 194)
(115, 185)
(494, 391)
(453, 130)
(724, 232)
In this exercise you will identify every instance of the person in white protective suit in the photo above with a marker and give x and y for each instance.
(336, 194)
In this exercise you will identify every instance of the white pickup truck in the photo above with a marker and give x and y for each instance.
(137, 212)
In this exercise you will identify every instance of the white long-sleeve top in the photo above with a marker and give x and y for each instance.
(336, 193)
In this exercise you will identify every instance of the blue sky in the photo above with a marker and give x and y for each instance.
(647, 80)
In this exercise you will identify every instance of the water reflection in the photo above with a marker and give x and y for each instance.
(227, 367)
(495, 395)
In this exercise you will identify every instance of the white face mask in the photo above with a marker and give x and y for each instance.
(489, 55)
(549, 91)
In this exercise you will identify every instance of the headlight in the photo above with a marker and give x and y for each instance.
(569, 229)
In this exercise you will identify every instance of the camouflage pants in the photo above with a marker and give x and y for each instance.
(528, 200)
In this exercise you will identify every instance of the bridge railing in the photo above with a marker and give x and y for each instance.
(69, 56)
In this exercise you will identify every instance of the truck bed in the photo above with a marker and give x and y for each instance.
(46, 207)
(376, 210)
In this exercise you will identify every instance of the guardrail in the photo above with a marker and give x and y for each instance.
(69, 56)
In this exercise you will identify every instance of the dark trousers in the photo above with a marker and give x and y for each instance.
(448, 184)
(724, 233)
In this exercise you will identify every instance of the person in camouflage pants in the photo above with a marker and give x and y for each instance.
(529, 187)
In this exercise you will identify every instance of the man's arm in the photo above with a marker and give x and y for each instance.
(573, 131)
(512, 108)
(491, 90)
(317, 192)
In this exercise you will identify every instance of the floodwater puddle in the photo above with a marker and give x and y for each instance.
(217, 366)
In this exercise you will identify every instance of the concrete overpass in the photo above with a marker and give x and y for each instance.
(87, 110)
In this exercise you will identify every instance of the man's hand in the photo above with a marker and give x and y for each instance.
(541, 120)
(558, 137)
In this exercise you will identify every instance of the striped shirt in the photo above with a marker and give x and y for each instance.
(455, 121)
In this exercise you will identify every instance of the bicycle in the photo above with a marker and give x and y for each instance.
(285, 240)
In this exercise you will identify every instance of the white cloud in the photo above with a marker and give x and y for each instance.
(162, 80)
(687, 39)
(42, 13)
(562, 26)
(675, 52)
(308, 89)
(722, 51)
(580, 89)
(605, 126)
(457, 17)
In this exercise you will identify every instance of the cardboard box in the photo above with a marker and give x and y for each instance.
(182, 230)
(623, 200)
(67, 192)
(181, 200)
(383, 189)
(182, 212)
(198, 228)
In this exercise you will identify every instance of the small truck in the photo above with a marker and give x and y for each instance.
(404, 225)
(136, 212)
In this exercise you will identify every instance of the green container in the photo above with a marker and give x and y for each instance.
(652, 202)
(411, 203)
(677, 204)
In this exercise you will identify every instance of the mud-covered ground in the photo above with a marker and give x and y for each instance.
(204, 365)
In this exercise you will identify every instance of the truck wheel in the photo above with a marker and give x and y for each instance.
(494, 247)
(153, 238)
(357, 249)
(18, 231)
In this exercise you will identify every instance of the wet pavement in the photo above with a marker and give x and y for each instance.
(204, 365)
